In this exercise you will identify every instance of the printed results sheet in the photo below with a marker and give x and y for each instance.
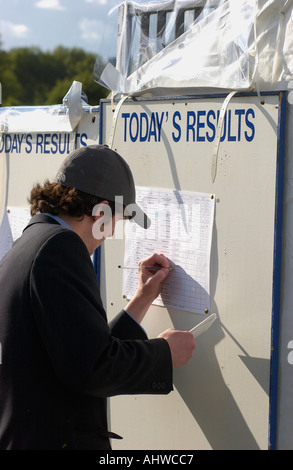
(181, 229)
(14, 220)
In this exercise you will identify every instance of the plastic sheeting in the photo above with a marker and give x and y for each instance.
(222, 44)
(62, 118)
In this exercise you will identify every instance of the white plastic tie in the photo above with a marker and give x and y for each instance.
(114, 121)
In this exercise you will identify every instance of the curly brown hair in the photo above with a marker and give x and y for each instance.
(57, 199)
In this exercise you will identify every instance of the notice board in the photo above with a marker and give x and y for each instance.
(225, 398)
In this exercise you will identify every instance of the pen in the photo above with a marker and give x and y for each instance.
(155, 268)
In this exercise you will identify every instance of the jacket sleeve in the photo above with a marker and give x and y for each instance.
(123, 326)
(73, 327)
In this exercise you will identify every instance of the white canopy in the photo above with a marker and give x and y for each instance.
(223, 44)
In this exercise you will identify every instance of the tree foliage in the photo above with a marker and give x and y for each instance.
(31, 77)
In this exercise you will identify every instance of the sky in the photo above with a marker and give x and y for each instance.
(48, 24)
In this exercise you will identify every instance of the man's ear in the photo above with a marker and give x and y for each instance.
(102, 226)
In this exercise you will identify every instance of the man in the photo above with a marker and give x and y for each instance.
(60, 357)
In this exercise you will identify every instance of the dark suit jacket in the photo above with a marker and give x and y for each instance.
(60, 357)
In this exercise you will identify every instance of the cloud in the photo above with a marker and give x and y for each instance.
(90, 29)
(99, 2)
(14, 30)
(49, 4)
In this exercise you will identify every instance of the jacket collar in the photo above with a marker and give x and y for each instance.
(41, 219)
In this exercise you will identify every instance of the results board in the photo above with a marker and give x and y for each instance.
(224, 398)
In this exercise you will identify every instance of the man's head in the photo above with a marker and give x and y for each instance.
(99, 171)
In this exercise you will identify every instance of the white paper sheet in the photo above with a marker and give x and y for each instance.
(6, 239)
(181, 229)
(14, 220)
(19, 217)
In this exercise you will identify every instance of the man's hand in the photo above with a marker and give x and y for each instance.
(149, 284)
(150, 281)
(181, 345)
